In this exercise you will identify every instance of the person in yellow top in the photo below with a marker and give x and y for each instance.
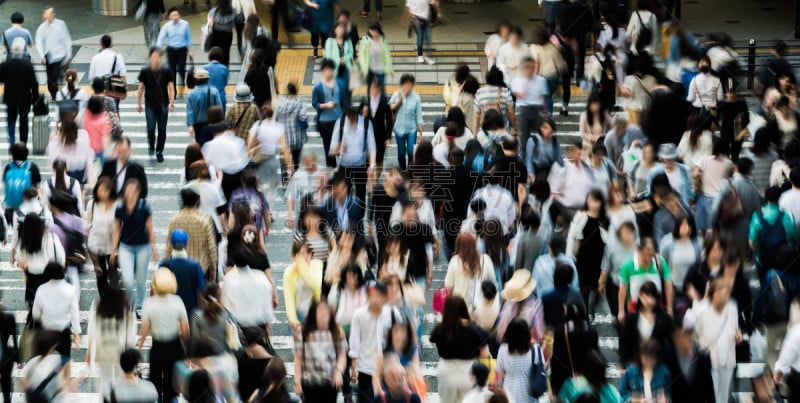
(302, 284)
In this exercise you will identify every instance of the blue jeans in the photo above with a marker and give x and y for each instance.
(133, 260)
(423, 29)
(156, 115)
(552, 85)
(703, 213)
(405, 147)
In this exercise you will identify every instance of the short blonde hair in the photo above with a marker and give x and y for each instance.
(164, 282)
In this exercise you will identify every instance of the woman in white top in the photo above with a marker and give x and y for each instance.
(467, 269)
(395, 258)
(613, 34)
(496, 40)
(460, 92)
(643, 19)
(348, 295)
(71, 145)
(705, 90)
(268, 135)
(36, 247)
(717, 330)
(74, 93)
(696, 142)
(46, 362)
(464, 133)
(682, 250)
(100, 217)
(618, 211)
(712, 170)
(164, 318)
(60, 180)
(112, 330)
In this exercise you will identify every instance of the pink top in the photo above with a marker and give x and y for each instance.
(98, 127)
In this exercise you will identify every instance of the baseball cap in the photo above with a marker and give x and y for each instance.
(179, 237)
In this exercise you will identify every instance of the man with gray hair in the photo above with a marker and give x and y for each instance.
(621, 136)
(306, 185)
(21, 89)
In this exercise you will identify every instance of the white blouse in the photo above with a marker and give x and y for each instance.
(101, 226)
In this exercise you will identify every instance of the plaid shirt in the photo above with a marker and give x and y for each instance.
(202, 236)
(319, 355)
(530, 310)
(245, 114)
(289, 111)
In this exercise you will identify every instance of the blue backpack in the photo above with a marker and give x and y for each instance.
(17, 180)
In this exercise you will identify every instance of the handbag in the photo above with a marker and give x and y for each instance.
(205, 37)
(115, 85)
(191, 82)
(439, 297)
(27, 341)
(254, 153)
(356, 79)
(537, 377)
(232, 335)
(141, 10)
(731, 208)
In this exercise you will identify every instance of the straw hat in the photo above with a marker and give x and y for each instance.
(164, 282)
(200, 73)
(519, 287)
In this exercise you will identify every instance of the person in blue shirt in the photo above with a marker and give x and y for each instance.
(177, 36)
(16, 31)
(187, 271)
(632, 386)
(545, 266)
(217, 72)
(198, 101)
(408, 105)
(325, 98)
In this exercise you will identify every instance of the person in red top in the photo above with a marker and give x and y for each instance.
(97, 123)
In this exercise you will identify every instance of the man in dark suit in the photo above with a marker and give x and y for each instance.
(122, 169)
(21, 89)
(375, 108)
(690, 368)
(343, 211)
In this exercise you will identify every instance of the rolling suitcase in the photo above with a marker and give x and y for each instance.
(40, 134)
(41, 125)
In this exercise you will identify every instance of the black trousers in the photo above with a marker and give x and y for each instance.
(12, 112)
(319, 393)
(107, 275)
(176, 59)
(65, 342)
(223, 39)
(55, 72)
(281, 9)
(317, 39)
(793, 382)
(365, 392)
(566, 89)
(326, 132)
(163, 357)
(230, 182)
(5, 379)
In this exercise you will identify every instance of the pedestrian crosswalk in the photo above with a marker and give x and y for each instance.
(164, 179)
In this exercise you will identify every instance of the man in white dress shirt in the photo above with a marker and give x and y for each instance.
(55, 306)
(107, 61)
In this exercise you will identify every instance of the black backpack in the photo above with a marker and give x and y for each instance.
(75, 247)
(69, 106)
(645, 33)
(73, 205)
(567, 54)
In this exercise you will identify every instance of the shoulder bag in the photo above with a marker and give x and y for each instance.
(731, 208)
(116, 86)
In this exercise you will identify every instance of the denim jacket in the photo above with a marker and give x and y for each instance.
(687, 195)
(632, 383)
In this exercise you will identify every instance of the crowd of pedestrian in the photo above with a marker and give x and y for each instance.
(656, 208)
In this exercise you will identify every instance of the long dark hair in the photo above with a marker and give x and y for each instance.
(212, 309)
(403, 246)
(696, 128)
(113, 303)
(59, 173)
(251, 25)
(275, 380)
(597, 194)
(32, 232)
(423, 155)
(472, 150)
(494, 241)
(103, 181)
(518, 337)
(224, 7)
(590, 117)
(409, 347)
(192, 154)
(69, 132)
(456, 115)
(351, 268)
(455, 311)
(322, 227)
(310, 324)
(200, 390)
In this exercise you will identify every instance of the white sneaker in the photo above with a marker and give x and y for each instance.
(429, 61)
(420, 59)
